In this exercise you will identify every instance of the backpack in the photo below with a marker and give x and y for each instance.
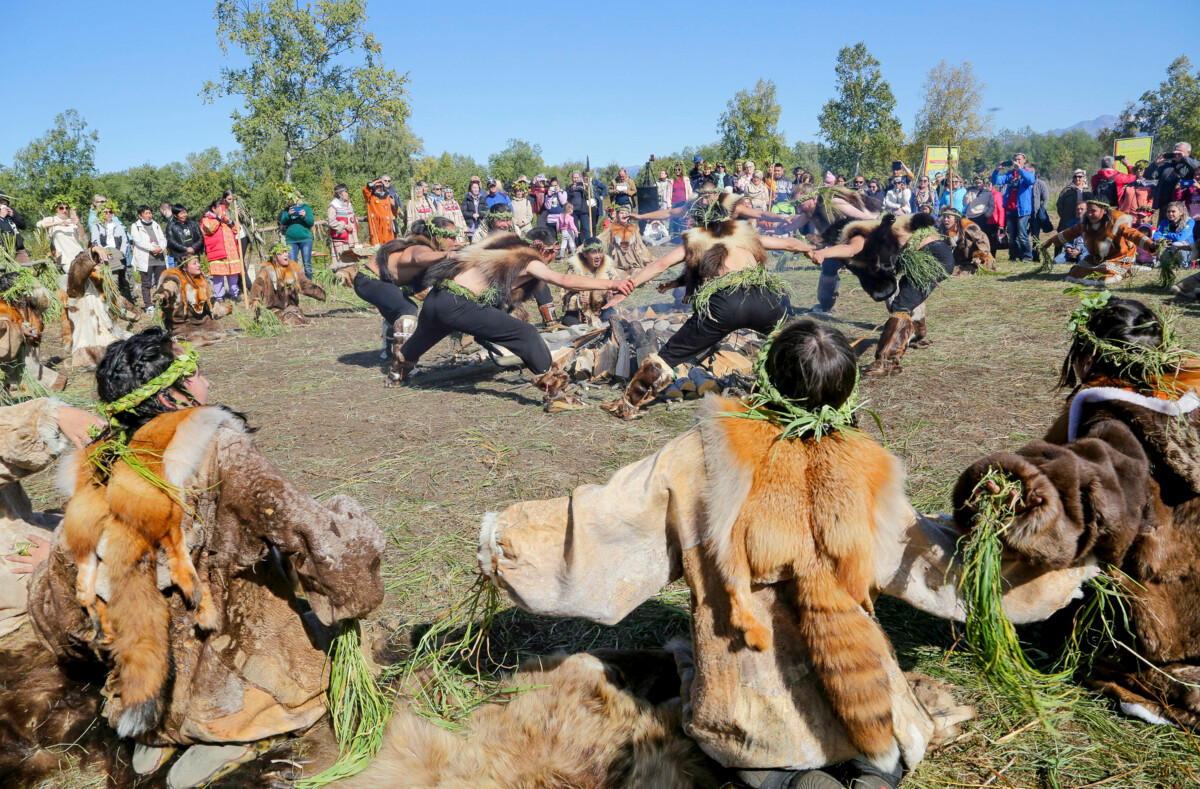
(1106, 190)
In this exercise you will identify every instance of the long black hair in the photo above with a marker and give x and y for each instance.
(128, 364)
(1123, 322)
(812, 364)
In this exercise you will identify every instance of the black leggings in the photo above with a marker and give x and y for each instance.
(909, 296)
(758, 308)
(384, 296)
(445, 312)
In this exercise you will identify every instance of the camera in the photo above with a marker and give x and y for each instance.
(1006, 163)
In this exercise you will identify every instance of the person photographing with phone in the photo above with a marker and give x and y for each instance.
(1175, 171)
(1018, 204)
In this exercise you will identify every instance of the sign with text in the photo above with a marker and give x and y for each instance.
(1134, 149)
(938, 159)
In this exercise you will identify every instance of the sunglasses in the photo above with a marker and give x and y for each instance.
(859, 183)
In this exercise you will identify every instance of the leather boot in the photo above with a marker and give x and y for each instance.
(893, 341)
(555, 382)
(920, 332)
(648, 382)
(398, 371)
(549, 316)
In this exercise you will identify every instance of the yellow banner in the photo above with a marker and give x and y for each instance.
(936, 159)
(1134, 149)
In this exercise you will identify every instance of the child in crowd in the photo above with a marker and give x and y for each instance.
(568, 229)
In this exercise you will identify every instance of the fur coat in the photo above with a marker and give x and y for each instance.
(878, 265)
(588, 303)
(1120, 477)
(278, 288)
(188, 309)
(86, 317)
(262, 671)
(1111, 249)
(18, 352)
(605, 549)
(971, 247)
(29, 442)
(624, 244)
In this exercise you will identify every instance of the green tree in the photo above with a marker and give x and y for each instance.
(859, 123)
(518, 158)
(299, 85)
(59, 164)
(952, 112)
(1170, 114)
(749, 127)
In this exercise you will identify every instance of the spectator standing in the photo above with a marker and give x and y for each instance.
(1137, 192)
(859, 183)
(183, 234)
(473, 208)
(420, 208)
(1109, 183)
(681, 195)
(696, 174)
(342, 222)
(537, 195)
(449, 208)
(1039, 217)
(577, 197)
(782, 186)
(875, 189)
(495, 196)
(923, 194)
(436, 193)
(1178, 229)
(623, 191)
(109, 233)
(744, 179)
(898, 200)
(569, 231)
(954, 197)
(599, 193)
(1170, 169)
(721, 178)
(98, 202)
(381, 211)
(1018, 184)
(397, 204)
(240, 221)
(758, 193)
(553, 203)
(663, 185)
(164, 210)
(149, 245)
(1073, 194)
(222, 250)
(11, 225)
(66, 236)
(522, 208)
(297, 221)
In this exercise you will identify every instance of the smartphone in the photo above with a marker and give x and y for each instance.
(1006, 163)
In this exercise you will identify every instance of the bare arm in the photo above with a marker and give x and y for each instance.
(672, 258)
(847, 250)
(786, 243)
(746, 211)
(662, 213)
(543, 272)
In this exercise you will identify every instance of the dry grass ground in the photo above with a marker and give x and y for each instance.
(427, 463)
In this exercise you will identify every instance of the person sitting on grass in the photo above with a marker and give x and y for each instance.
(279, 285)
(1111, 242)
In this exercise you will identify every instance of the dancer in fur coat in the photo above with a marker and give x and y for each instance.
(1116, 482)
(785, 540)
(623, 243)
(970, 245)
(280, 284)
(899, 261)
(1112, 243)
(22, 302)
(212, 646)
(588, 306)
(726, 283)
(189, 311)
(91, 309)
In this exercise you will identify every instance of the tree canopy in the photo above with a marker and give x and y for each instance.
(1170, 114)
(859, 124)
(59, 165)
(952, 112)
(302, 85)
(749, 127)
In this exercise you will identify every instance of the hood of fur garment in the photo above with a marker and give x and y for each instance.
(501, 258)
(577, 266)
(731, 233)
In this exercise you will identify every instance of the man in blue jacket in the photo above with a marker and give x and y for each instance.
(1018, 205)
(494, 195)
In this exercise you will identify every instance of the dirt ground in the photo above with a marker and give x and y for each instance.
(427, 463)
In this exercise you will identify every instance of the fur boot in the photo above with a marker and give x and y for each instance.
(549, 318)
(648, 382)
(893, 342)
(920, 330)
(555, 382)
(396, 335)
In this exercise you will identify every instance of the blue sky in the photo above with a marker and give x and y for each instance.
(616, 83)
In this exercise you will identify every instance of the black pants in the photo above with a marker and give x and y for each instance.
(585, 225)
(446, 312)
(384, 296)
(909, 296)
(121, 277)
(150, 281)
(759, 309)
(829, 282)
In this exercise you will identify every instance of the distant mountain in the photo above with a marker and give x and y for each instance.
(1091, 127)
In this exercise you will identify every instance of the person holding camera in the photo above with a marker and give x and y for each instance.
(1018, 204)
(1174, 170)
(11, 225)
(297, 221)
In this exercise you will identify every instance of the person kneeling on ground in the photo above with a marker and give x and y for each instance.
(1111, 242)
(588, 306)
(279, 285)
(216, 648)
(970, 245)
(22, 302)
(472, 293)
(188, 309)
(786, 522)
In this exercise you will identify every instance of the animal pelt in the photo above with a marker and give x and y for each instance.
(706, 248)
(812, 512)
(971, 247)
(384, 254)
(877, 266)
(588, 303)
(575, 728)
(501, 258)
(119, 515)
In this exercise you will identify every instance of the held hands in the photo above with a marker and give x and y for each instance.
(816, 256)
(625, 286)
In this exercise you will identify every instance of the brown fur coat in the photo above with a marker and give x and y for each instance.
(588, 303)
(279, 288)
(187, 307)
(705, 251)
(501, 257)
(1120, 477)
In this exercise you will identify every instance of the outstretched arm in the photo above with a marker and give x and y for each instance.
(627, 286)
(662, 213)
(543, 272)
(746, 211)
(786, 243)
(847, 250)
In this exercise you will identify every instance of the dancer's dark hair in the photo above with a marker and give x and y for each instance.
(128, 364)
(1122, 322)
(812, 364)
